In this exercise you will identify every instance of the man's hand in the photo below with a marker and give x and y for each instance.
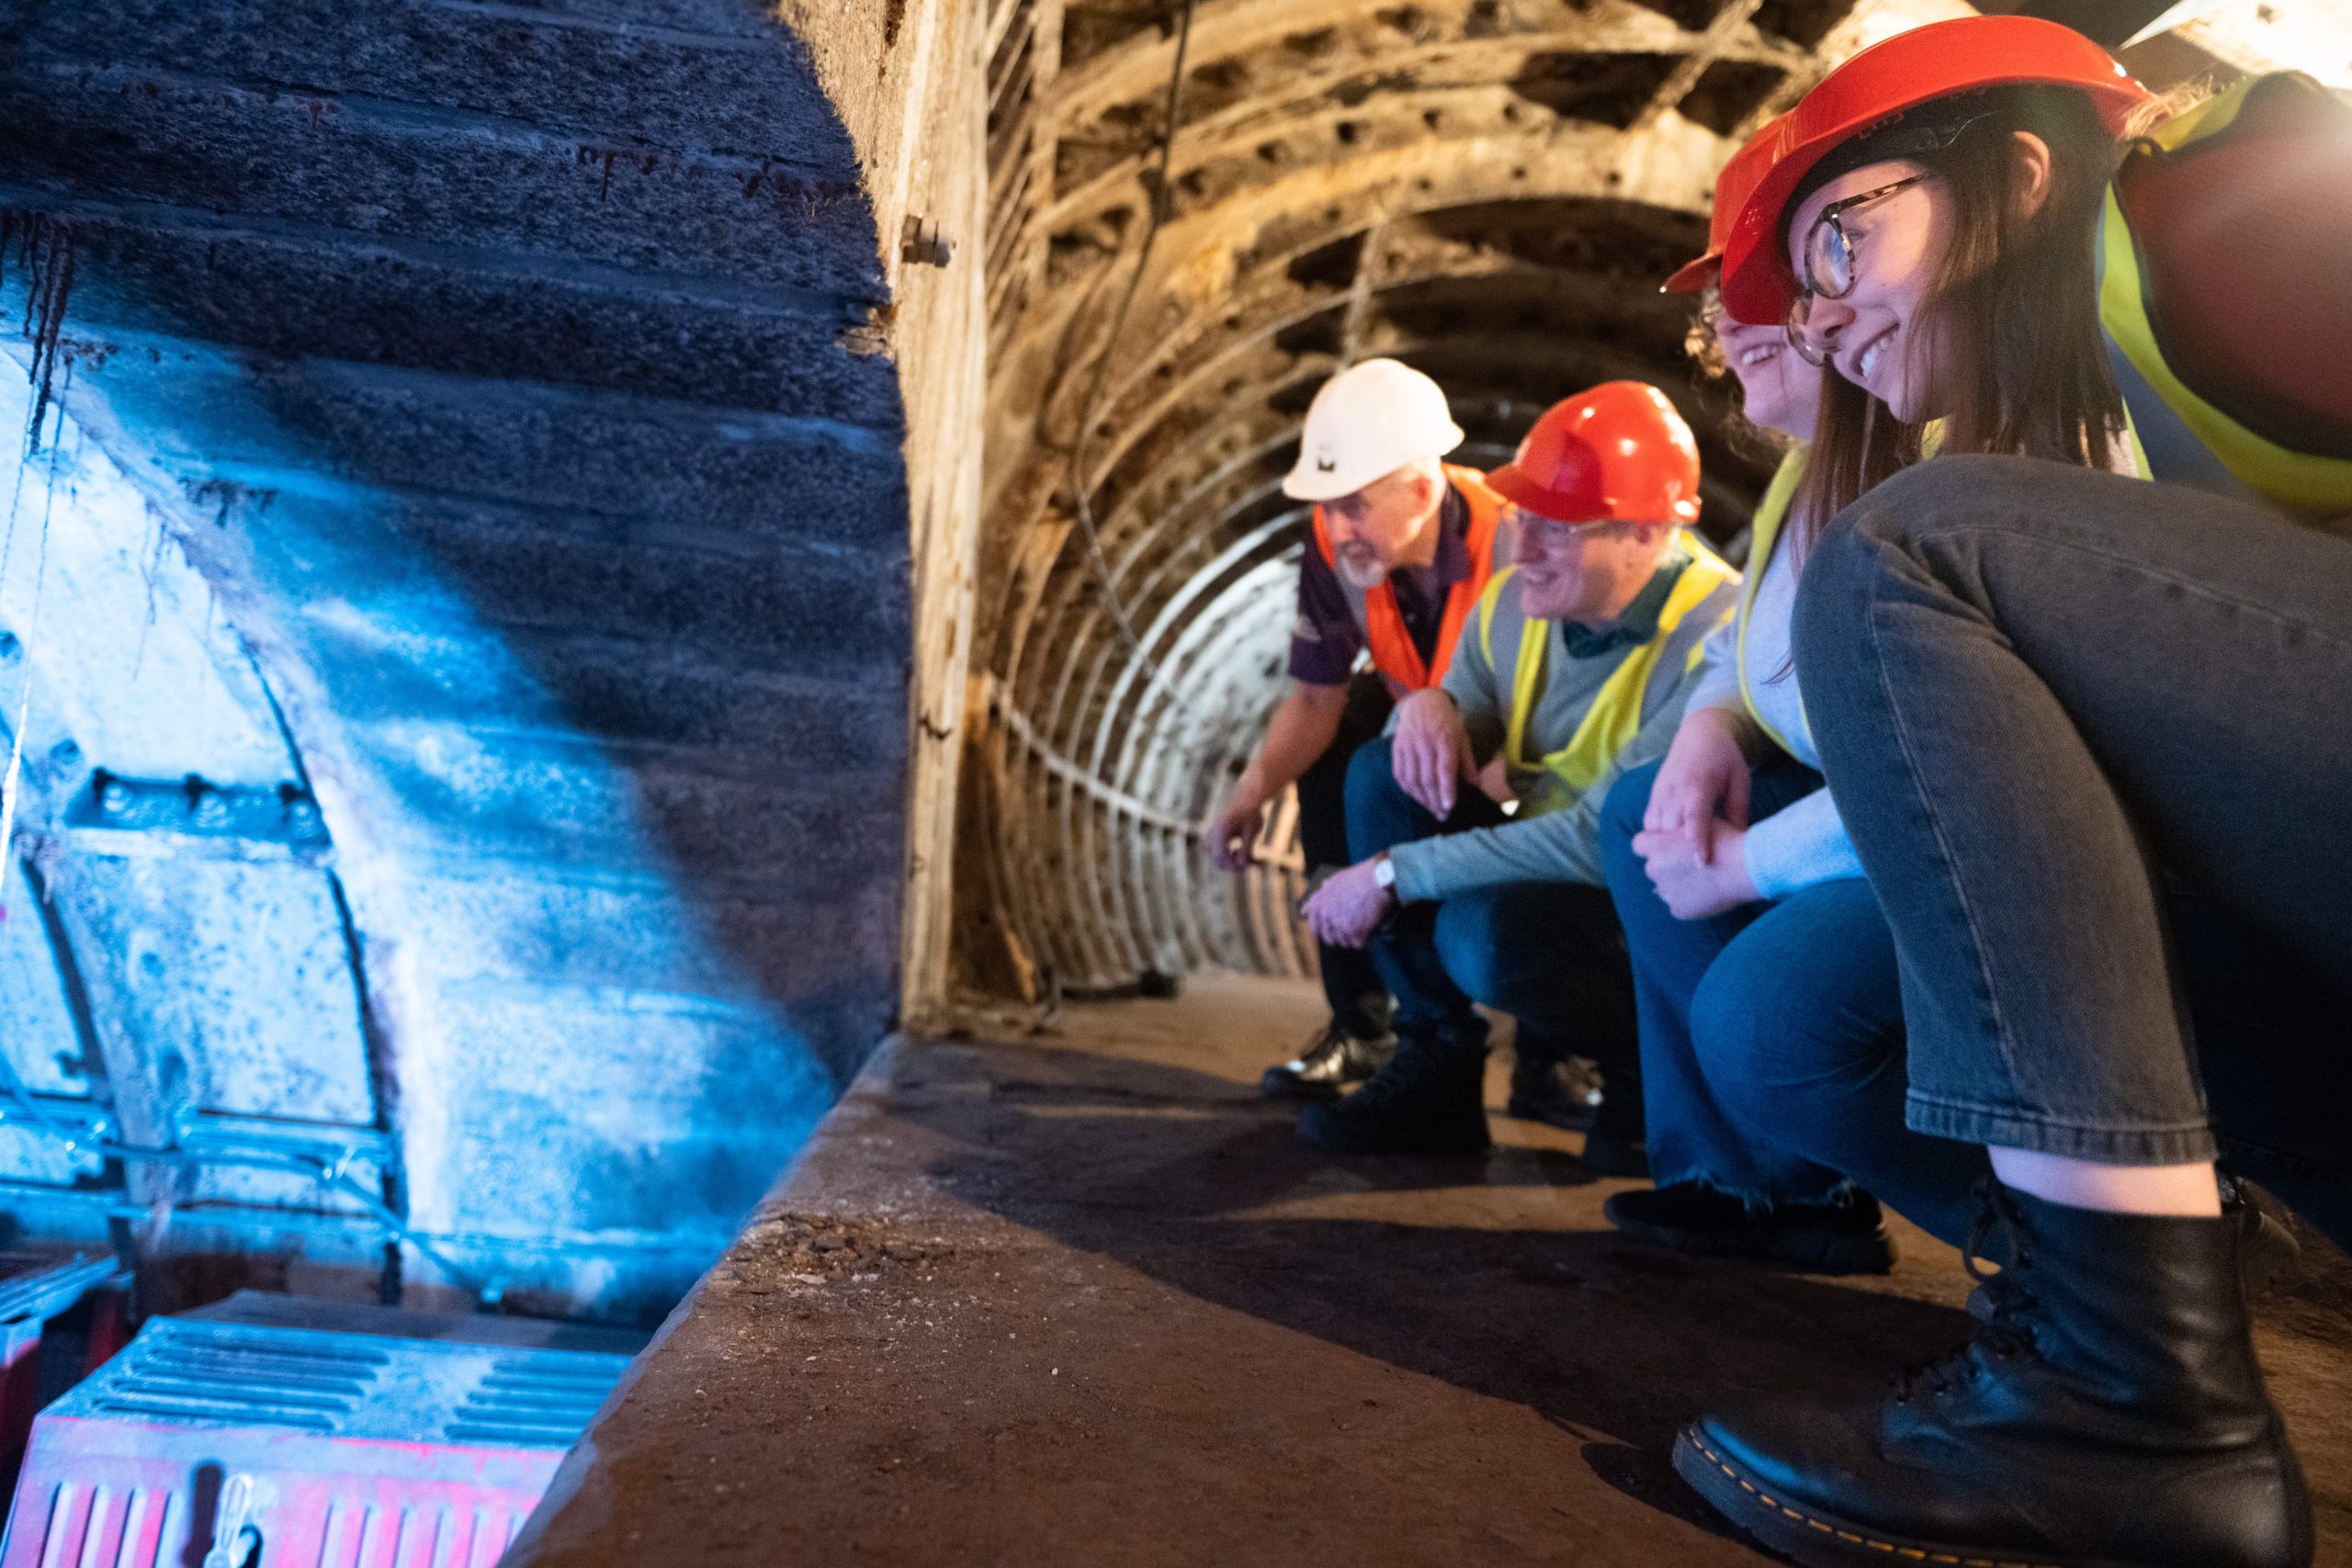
(1349, 905)
(1696, 882)
(1431, 750)
(1233, 832)
(1702, 786)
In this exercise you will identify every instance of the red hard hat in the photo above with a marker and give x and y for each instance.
(1617, 453)
(1909, 69)
(1739, 177)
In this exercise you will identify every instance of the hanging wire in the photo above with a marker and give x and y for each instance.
(46, 250)
(1091, 406)
(11, 781)
(329, 1167)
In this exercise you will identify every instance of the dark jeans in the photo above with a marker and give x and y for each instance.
(1548, 952)
(1772, 1043)
(1352, 984)
(2040, 693)
(1771, 1035)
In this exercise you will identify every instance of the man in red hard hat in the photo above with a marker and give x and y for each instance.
(1572, 667)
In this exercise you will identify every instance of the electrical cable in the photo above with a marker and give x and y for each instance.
(330, 1170)
(1092, 405)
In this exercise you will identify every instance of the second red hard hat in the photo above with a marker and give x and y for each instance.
(1615, 452)
(1749, 165)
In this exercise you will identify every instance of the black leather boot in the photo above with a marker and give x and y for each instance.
(1845, 1234)
(1562, 1093)
(2266, 1248)
(1333, 1062)
(1429, 1100)
(2111, 1415)
(1619, 1142)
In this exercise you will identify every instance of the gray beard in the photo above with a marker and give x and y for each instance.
(1361, 571)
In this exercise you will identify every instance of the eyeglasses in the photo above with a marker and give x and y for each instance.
(1829, 264)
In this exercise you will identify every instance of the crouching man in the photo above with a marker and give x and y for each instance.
(1574, 668)
(1404, 542)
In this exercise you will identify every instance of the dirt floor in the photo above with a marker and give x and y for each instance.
(1079, 1297)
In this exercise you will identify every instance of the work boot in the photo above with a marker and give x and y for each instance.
(1333, 1061)
(1562, 1093)
(1429, 1100)
(2265, 1247)
(2111, 1415)
(1618, 1143)
(1847, 1234)
(1609, 1151)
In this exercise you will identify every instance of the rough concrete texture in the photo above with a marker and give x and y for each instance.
(1079, 1297)
(522, 386)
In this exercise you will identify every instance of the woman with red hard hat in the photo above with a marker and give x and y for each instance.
(1745, 914)
(2059, 706)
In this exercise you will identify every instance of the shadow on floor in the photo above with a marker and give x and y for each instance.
(1194, 1181)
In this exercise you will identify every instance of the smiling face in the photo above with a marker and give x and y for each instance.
(1874, 335)
(1778, 390)
(1589, 573)
(1378, 528)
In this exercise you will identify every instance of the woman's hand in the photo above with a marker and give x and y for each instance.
(1702, 787)
(1431, 750)
(1695, 883)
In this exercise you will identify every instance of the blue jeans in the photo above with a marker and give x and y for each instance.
(1772, 1036)
(2045, 696)
(1548, 952)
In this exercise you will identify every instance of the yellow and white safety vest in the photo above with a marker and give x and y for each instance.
(1639, 685)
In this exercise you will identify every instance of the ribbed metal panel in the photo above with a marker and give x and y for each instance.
(216, 1443)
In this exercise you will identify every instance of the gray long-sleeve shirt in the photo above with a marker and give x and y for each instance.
(1555, 836)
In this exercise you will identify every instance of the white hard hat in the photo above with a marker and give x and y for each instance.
(1368, 421)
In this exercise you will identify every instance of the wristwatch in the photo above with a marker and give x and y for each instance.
(1384, 875)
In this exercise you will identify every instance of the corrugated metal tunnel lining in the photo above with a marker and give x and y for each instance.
(1491, 190)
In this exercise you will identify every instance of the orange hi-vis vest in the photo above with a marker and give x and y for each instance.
(1383, 623)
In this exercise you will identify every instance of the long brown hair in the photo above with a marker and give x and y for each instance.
(2011, 315)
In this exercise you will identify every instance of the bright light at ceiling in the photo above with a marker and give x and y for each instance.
(2313, 36)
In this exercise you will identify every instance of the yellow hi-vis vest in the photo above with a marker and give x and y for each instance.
(1763, 533)
(1617, 710)
(2178, 435)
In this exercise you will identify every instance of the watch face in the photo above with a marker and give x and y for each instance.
(1384, 873)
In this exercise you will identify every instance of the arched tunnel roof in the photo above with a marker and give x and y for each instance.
(1491, 190)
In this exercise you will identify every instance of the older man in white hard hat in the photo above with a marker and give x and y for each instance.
(1403, 545)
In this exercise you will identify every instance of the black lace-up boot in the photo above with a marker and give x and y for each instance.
(1844, 1234)
(1429, 1100)
(2266, 1248)
(1334, 1061)
(2108, 1414)
(1564, 1092)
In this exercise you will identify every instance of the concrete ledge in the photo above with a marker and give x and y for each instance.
(1082, 1299)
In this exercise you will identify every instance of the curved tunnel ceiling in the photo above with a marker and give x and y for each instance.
(1490, 189)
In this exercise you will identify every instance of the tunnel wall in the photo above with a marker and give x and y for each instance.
(518, 392)
(1490, 189)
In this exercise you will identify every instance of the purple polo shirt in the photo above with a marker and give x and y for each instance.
(1325, 640)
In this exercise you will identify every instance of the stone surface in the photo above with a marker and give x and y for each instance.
(523, 388)
(1080, 1297)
